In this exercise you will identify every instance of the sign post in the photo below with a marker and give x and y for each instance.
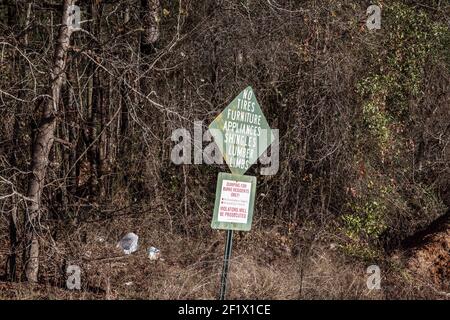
(242, 134)
(226, 265)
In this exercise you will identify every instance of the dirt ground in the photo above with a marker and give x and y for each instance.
(430, 256)
(265, 265)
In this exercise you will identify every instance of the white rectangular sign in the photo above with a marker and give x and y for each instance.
(235, 201)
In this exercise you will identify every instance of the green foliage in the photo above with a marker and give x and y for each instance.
(367, 214)
(377, 122)
(368, 220)
(364, 224)
(410, 37)
(360, 251)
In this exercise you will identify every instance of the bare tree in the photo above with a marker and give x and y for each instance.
(150, 19)
(41, 148)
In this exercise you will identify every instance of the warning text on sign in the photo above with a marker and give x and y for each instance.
(234, 201)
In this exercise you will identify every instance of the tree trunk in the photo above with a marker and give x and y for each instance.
(41, 149)
(95, 101)
(11, 261)
(150, 23)
(16, 137)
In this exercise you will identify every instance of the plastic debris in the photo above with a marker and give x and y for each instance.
(129, 243)
(130, 283)
(153, 253)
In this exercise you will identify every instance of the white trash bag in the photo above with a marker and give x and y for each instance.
(129, 243)
(153, 253)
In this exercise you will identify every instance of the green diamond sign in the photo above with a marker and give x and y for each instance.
(241, 132)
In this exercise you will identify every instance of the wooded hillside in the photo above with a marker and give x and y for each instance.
(87, 116)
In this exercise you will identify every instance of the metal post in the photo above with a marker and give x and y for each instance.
(226, 265)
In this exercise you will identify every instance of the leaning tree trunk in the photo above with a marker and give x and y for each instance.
(41, 148)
